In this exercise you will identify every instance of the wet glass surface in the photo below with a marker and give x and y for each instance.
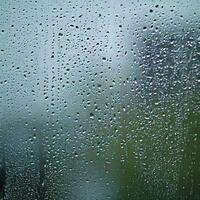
(99, 100)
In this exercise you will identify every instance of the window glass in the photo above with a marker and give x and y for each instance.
(99, 100)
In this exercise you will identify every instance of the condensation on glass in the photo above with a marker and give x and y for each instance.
(99, 100)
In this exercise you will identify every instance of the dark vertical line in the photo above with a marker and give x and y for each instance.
(42, 160)
(3, 174)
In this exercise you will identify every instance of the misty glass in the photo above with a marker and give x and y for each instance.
(99, 100)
